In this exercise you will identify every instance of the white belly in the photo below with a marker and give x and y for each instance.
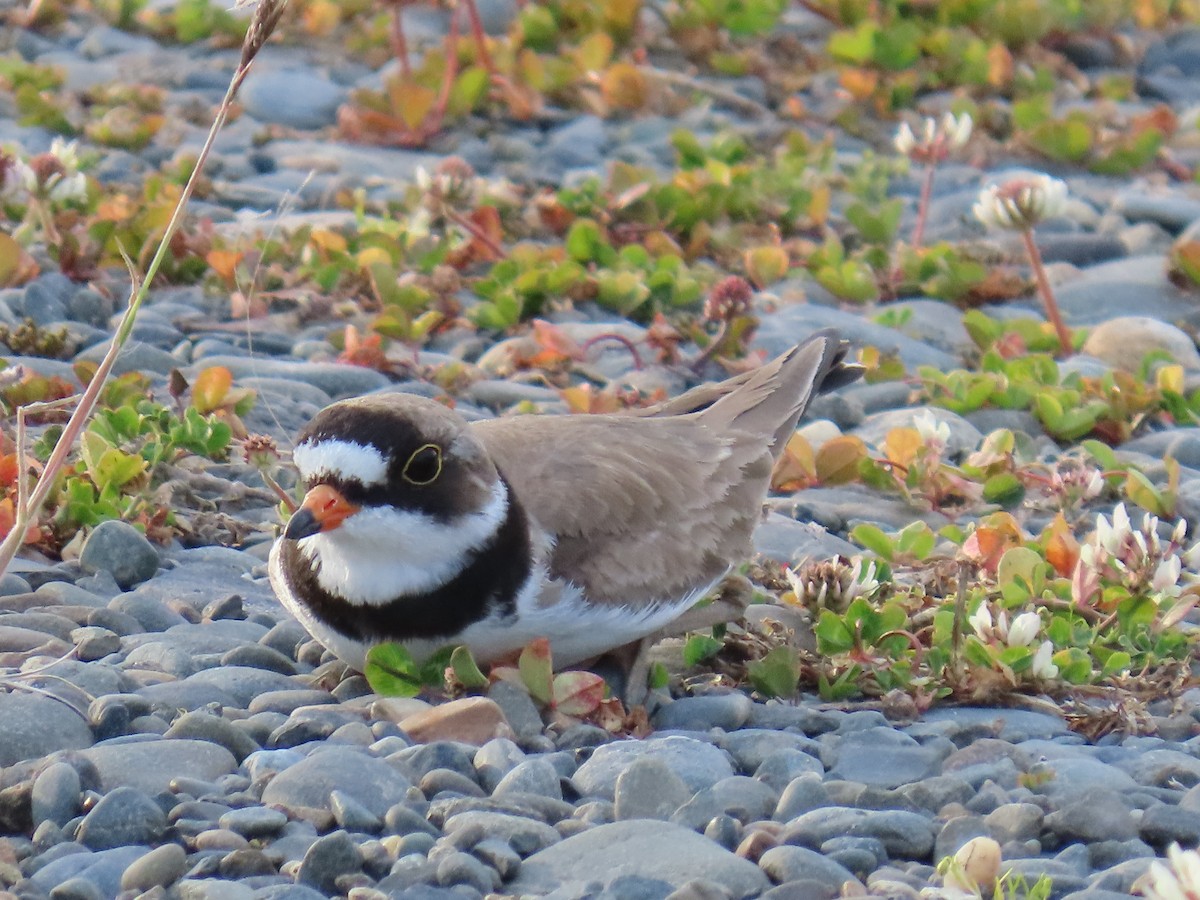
(577, 630)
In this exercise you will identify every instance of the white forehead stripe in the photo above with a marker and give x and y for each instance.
(341, 459)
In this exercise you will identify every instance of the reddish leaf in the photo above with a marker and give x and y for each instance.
(577, 693)
(1062, 549)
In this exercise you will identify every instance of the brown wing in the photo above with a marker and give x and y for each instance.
(634, 505)
(648, 507)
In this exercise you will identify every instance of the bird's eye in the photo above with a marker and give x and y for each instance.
(424, 466)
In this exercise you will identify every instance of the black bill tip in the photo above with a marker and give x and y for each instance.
(302, 524)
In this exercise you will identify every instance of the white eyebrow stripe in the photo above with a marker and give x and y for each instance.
(342, 459)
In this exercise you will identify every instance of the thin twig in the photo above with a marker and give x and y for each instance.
(724, 95)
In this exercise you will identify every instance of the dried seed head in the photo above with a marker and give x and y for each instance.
(729, 298)
(260, 450)
(262, 25)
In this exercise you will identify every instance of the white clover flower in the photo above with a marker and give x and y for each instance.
(18, 180)
(73, 187)
(1020, 204)
(1024, 629)
(67, 153)
(981, 622)
(1166, 577)
(1043, 665)
(831, 583)
(1177, 879)
(933, 431)
(938, 138)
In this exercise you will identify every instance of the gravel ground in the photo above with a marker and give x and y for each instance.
(199, 745)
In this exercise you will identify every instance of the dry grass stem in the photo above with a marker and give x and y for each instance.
(266, 18)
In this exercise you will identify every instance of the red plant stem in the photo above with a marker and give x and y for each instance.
(477, 32)
(1043, 283)
(433, 121)
(474, 230)
(923, 206)
(620, 339)
(400, 42)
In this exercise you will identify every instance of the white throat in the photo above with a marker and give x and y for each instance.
(381, 553)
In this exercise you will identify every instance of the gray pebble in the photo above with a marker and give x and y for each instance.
(160, 867)
(55, 795)
(649, 789)
(124, 816)
(329, 858)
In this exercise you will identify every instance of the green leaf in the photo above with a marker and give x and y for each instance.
(1074, 665)
(1024, 566)
(660, 677)
(833, 634)
(466, 670)
(1142, 491)
(776, 674)
(916, 539)
(537, 671)
(1119, 661)
(700, 647)
(873, 538)
(392, 672)
(856, 46)
(1102, 454)
(1005, 489)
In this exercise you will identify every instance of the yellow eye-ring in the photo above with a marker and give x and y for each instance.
(424, 466)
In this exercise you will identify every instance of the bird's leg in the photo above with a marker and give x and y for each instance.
(633, 659)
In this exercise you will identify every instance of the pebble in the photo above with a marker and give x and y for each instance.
(648, 849)
(121, 550)
(306, 786)
(36, 725)
(123, 817)
(1125, 341)
(696, 763)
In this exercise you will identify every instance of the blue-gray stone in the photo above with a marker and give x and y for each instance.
(123, 817)
(121, 550)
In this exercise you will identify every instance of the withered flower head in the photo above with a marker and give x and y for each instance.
(260, 450)
(729, 298)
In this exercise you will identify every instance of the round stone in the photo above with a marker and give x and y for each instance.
(121, 550)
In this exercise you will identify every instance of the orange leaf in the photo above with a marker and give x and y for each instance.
(1000, 65)
(211, 387)
(623, 86)
(797, 466)
(1061, 547)
(994, 535)
(859, 83)
(411, 102)
(901, 446)
(225, 263)
(8, 470)
(837, 460)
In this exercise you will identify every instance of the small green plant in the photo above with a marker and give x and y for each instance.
(392, 671)
(29, 339)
